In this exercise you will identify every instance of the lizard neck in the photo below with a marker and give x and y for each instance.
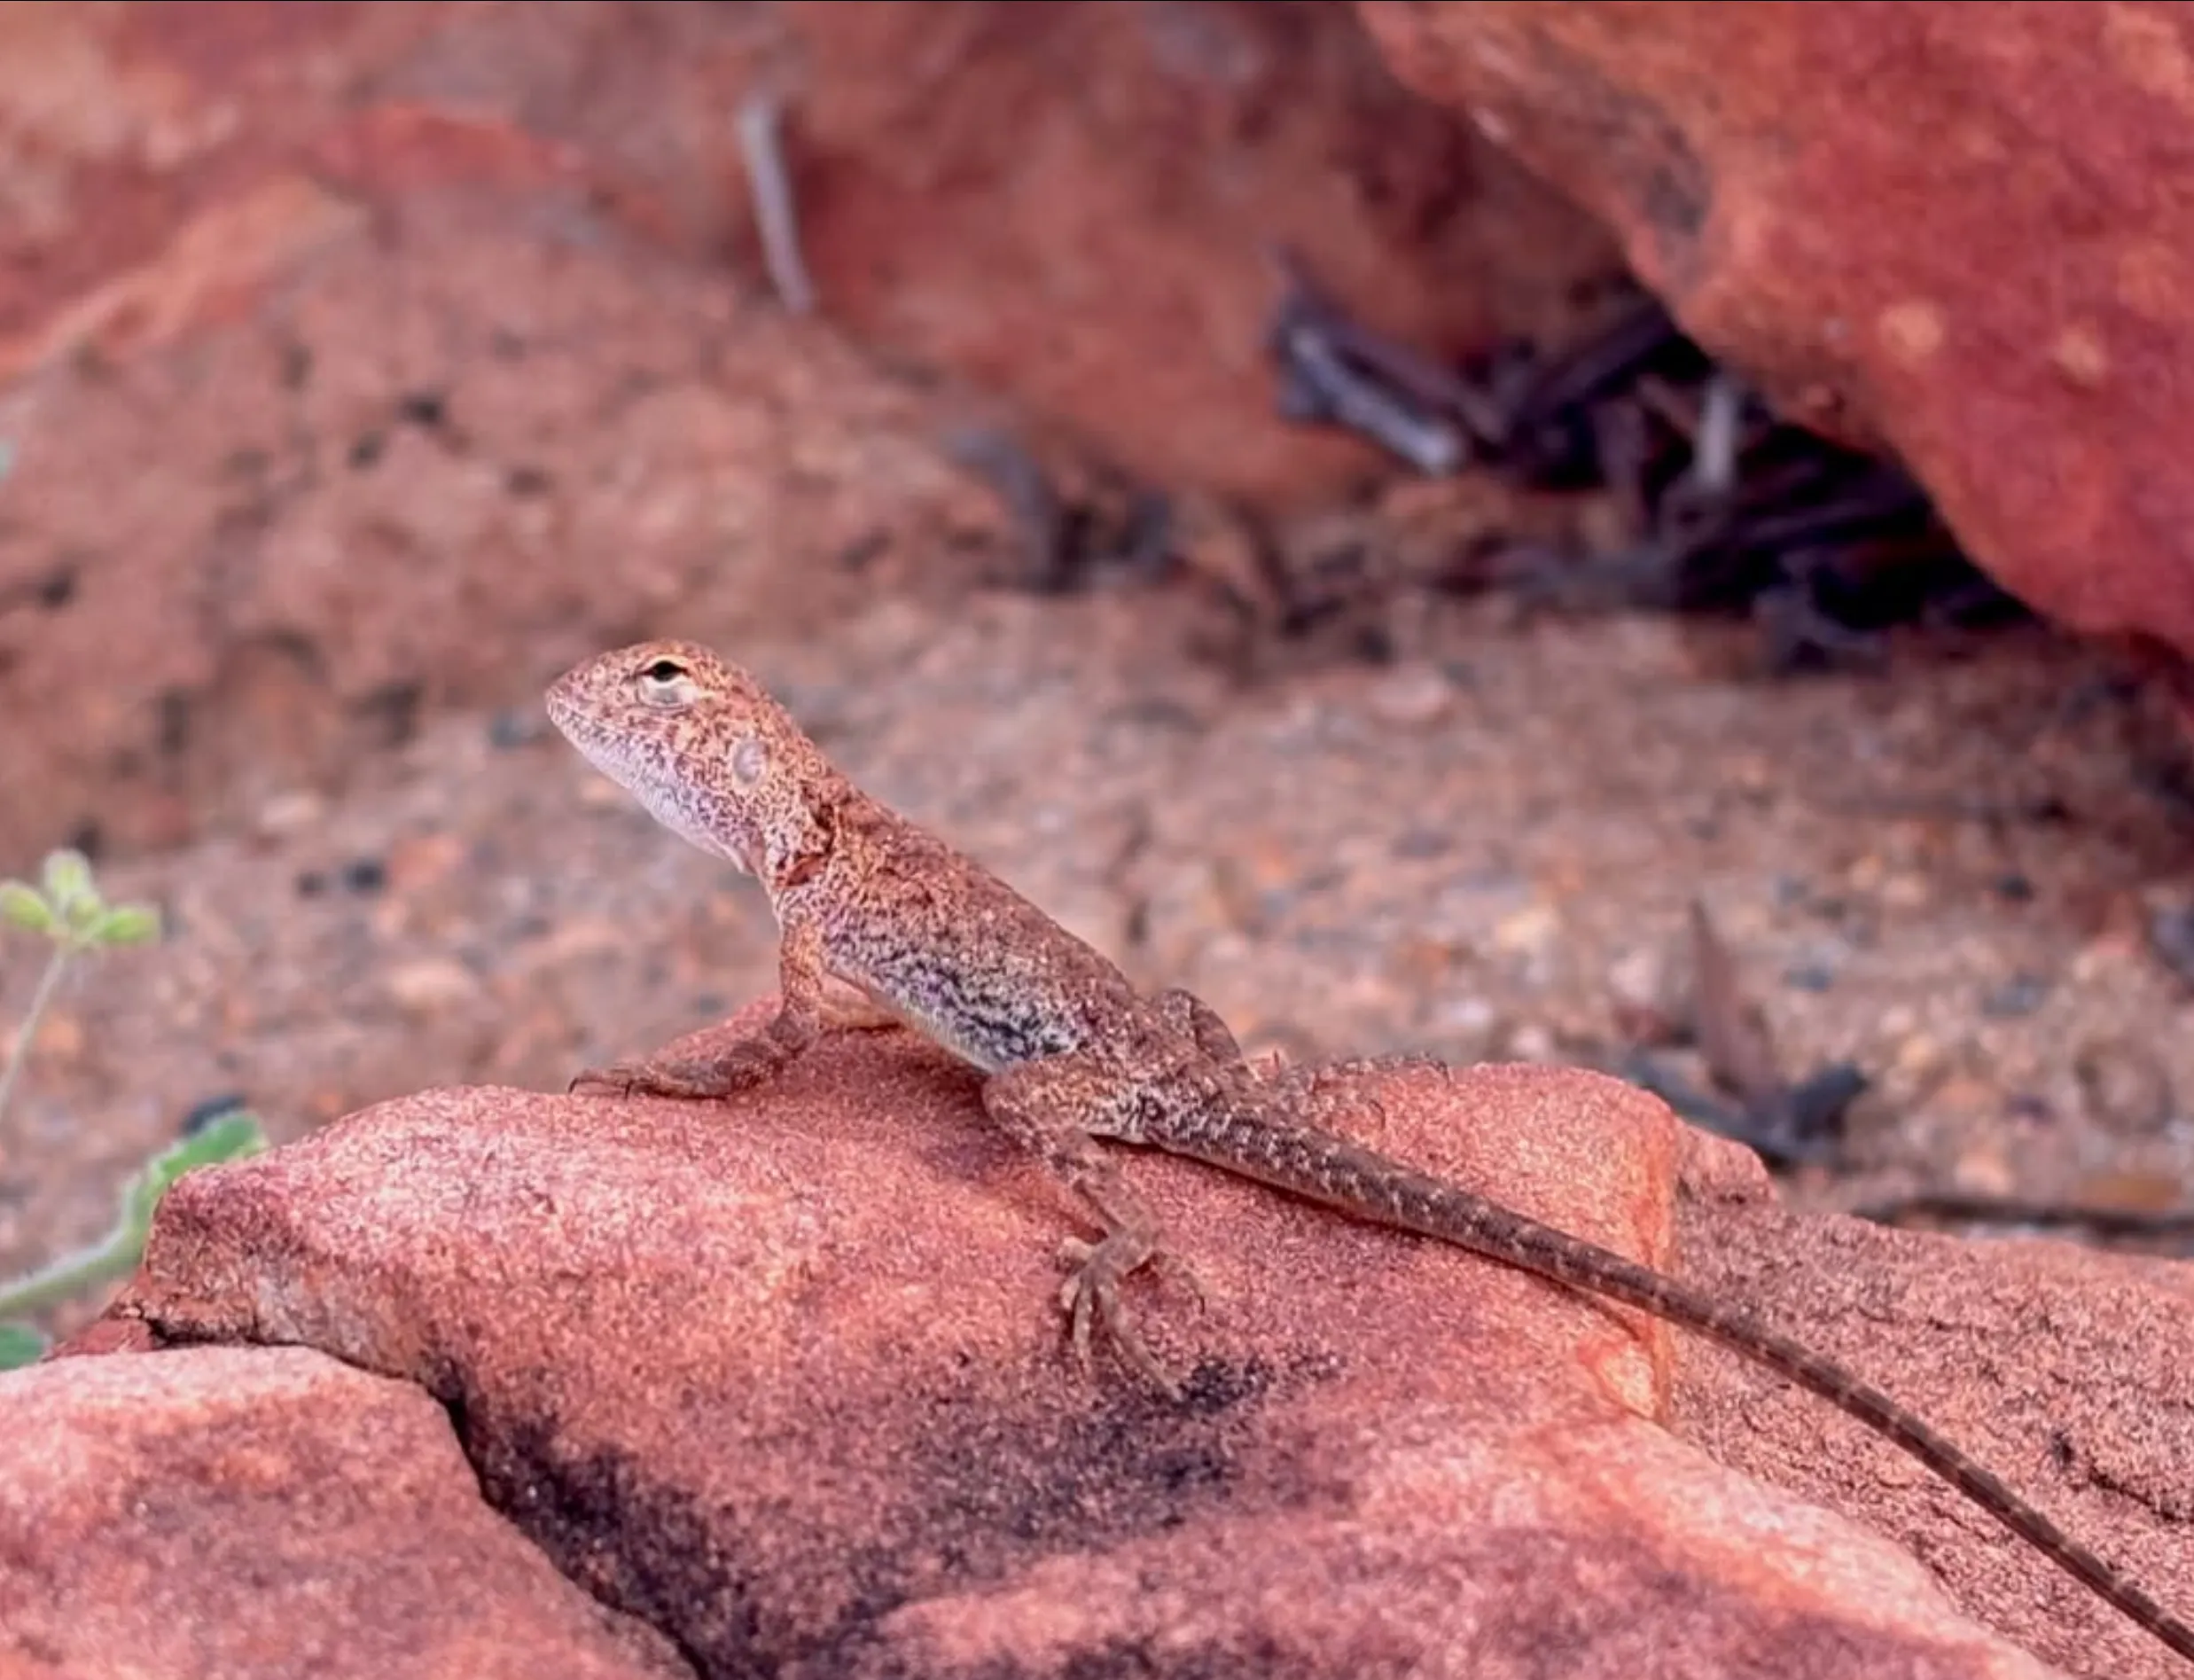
(804, 836)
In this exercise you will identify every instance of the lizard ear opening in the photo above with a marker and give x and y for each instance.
(749, 759)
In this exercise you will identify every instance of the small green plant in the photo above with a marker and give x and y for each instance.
(228, 1137)
(66, 907)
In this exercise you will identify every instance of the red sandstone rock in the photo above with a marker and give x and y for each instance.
(783, 1377)
(1961, 232)
(1067, 206)
(1071, 205)
(263, 1514)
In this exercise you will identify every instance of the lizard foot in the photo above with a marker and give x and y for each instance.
(1092, 1295)
(622, 1080)
(1076, 1252)
(745, 1064)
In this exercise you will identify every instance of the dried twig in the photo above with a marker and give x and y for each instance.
(776, 217)
(1958, 1206)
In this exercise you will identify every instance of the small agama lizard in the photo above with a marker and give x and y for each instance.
(1072, 1052)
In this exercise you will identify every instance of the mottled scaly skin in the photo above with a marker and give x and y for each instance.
(1073, 1052)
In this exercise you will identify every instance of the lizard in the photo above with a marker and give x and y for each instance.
(1072, 1052)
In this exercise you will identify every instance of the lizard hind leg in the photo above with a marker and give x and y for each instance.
(1051, 1107)
(1183, 1011)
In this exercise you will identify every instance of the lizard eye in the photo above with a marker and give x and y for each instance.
(665, 682)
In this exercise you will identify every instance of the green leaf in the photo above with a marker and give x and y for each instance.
(22, 906)
(68, 884)
(125, 925)
(19, 1344)
(228, 1137)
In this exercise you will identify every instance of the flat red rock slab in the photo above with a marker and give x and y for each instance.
(783, 1376)
(240, 1512)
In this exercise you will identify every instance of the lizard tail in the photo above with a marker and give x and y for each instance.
(1330, 1170)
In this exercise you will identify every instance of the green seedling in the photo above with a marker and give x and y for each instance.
(67, 909)
(228, 1137)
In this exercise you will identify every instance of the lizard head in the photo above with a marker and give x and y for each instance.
(695, 740)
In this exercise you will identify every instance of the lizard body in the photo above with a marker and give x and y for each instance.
(1072, 1052)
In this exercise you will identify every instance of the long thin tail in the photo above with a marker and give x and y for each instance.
(1330, 1170)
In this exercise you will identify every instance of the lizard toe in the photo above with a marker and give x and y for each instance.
(1133, 1350)
(1091, 1294)
(1186, 1275)
(601, 1082)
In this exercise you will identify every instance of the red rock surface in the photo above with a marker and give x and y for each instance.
(1961, 232)
(1071, 205)
(259, 1514)
(410, 323)
(784, 1379)
(1067, 205)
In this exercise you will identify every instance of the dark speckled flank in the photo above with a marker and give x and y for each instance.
(1074, 1052)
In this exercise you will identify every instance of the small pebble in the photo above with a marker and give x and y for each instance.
(2171, 937)
(288, 814)
(2019, 996)
(1791, 892)
(1418, 844)
(1906, 892)
(1528, 932)
(1639, 979)
(1531, 1042)
(1470, 1017)
(2123, 1087)
(1419, 963)
(1919, 1063)
(430, 985)
(1984, 1168)
(2133, 1191)
(421, 861)
(364, 875)
(1413, 696)
(1809, 977)
(511, 728)
(578, 938)
(60, 1040)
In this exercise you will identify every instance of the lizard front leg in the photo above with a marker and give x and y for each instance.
(746, 1062)
(1048, 1106)
(1186, 1013)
